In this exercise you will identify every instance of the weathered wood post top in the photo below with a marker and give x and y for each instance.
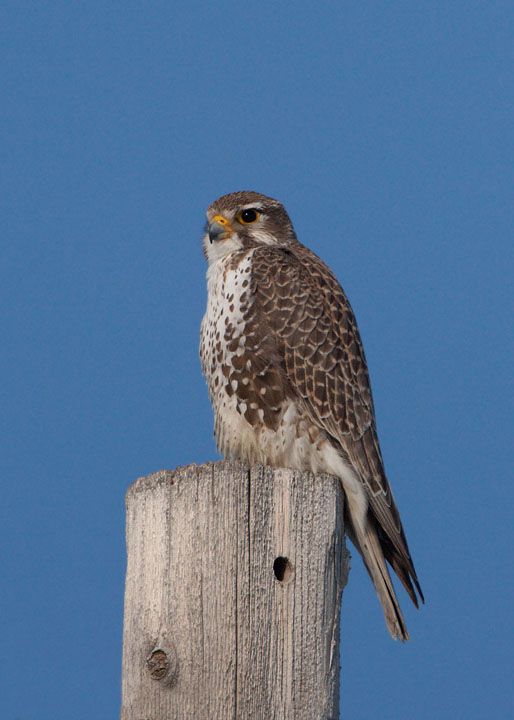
(233, 592)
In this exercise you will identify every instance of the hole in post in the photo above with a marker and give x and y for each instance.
(283, 569)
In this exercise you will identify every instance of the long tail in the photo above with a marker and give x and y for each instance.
(367, 542)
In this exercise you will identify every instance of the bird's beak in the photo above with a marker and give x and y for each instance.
(219, 228)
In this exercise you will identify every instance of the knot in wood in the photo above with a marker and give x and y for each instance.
(161, 664)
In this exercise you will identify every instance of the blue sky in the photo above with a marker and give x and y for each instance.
(386, 130)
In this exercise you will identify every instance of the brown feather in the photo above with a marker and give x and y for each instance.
(313, 342)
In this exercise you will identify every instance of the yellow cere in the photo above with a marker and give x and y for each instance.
(222, 221)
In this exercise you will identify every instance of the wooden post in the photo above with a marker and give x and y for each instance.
(233, 592)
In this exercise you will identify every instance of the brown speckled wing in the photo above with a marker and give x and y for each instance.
(300, 301)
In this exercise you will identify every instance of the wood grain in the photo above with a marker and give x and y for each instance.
(233, 591)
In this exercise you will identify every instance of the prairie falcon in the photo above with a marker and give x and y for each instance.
(287, 376)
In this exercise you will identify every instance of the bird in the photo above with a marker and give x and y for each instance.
(288, 380)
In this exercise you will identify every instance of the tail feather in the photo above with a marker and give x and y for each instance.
(373, 525)
(402, 565)
(368, 544)
(377, 568)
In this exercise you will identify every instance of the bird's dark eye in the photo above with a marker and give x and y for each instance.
(249, 216)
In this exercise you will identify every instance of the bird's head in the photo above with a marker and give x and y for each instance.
(244, 220)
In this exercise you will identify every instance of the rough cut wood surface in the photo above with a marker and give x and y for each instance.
(209, 630)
